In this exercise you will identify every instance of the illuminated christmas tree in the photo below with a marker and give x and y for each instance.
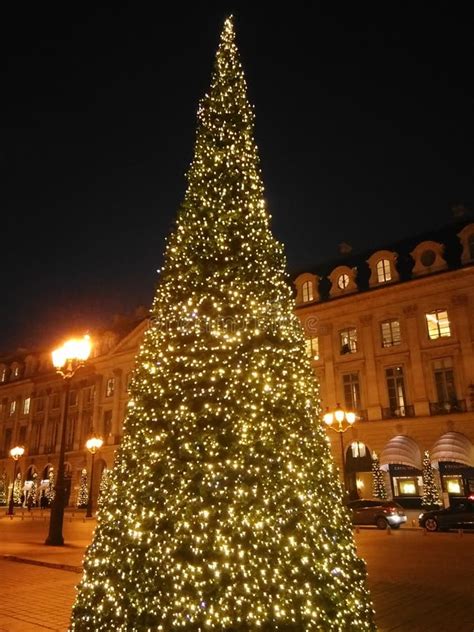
(33, 491)
(430, 498)
(50, 493)
(224, 509)
(83, 493)
(17, 490)
(378, 481)
(3, 489)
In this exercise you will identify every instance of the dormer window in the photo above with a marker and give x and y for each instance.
(3, 375)
(428, 257)
(466, 237)
(343, 281)
(307, 285)
(307, 290)
(383, 269)
(384, 272)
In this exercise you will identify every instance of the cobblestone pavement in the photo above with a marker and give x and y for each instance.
(418, 582)
(35, 598)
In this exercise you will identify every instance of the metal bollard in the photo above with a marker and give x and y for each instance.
(389, 530)
(460, 532)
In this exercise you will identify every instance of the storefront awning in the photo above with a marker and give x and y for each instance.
(402, 450)
(453, 446)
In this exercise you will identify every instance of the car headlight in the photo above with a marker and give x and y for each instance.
(420, 516)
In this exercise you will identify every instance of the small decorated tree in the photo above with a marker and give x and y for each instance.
(17, 490)
(3, 489)
(378, 482)
(33, 491)
(82, 494)
(50, 493)
(431, 498)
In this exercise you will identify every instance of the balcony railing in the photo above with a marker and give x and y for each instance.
(446, 408)
(396, 413)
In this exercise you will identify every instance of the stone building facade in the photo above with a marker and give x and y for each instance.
(391, 337)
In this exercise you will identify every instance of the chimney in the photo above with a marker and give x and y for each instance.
(458, 210)
(345, 248)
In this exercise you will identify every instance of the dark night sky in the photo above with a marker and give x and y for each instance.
(364, 124)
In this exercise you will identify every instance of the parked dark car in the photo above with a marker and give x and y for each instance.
(460, 515)
(381, 513)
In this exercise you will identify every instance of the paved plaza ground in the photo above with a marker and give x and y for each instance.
(419, 582)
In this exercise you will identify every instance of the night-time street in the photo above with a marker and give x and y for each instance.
(418, 582)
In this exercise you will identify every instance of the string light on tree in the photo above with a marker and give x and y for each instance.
(83, 493)
(223, 511)
(431, 498)
(378, 481)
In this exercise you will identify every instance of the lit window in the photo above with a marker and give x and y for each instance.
(110, 387)
(16, 371)
(358, 449)
(348, 339)
(12, 407)
(343, 281)
(391, 335)
(438, 324)
(26, 405)
(3, 375)
(312, 348)
(384, 272)
(307, 291)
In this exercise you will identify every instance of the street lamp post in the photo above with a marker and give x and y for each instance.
(16, 453)
(93, 444)
(344, 420)
(67, 359)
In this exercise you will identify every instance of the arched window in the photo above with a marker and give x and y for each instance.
(384, 272)
(307, 290)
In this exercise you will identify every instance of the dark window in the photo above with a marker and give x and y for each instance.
(107, 423)
(7, 440)
(351, 386)
(22, 435)
(428, 257)
(444, 380)
(396, 390)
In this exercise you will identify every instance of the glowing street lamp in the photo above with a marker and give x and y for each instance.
(344, 420)
(67, 360)
(16, 453)
(93, 445)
